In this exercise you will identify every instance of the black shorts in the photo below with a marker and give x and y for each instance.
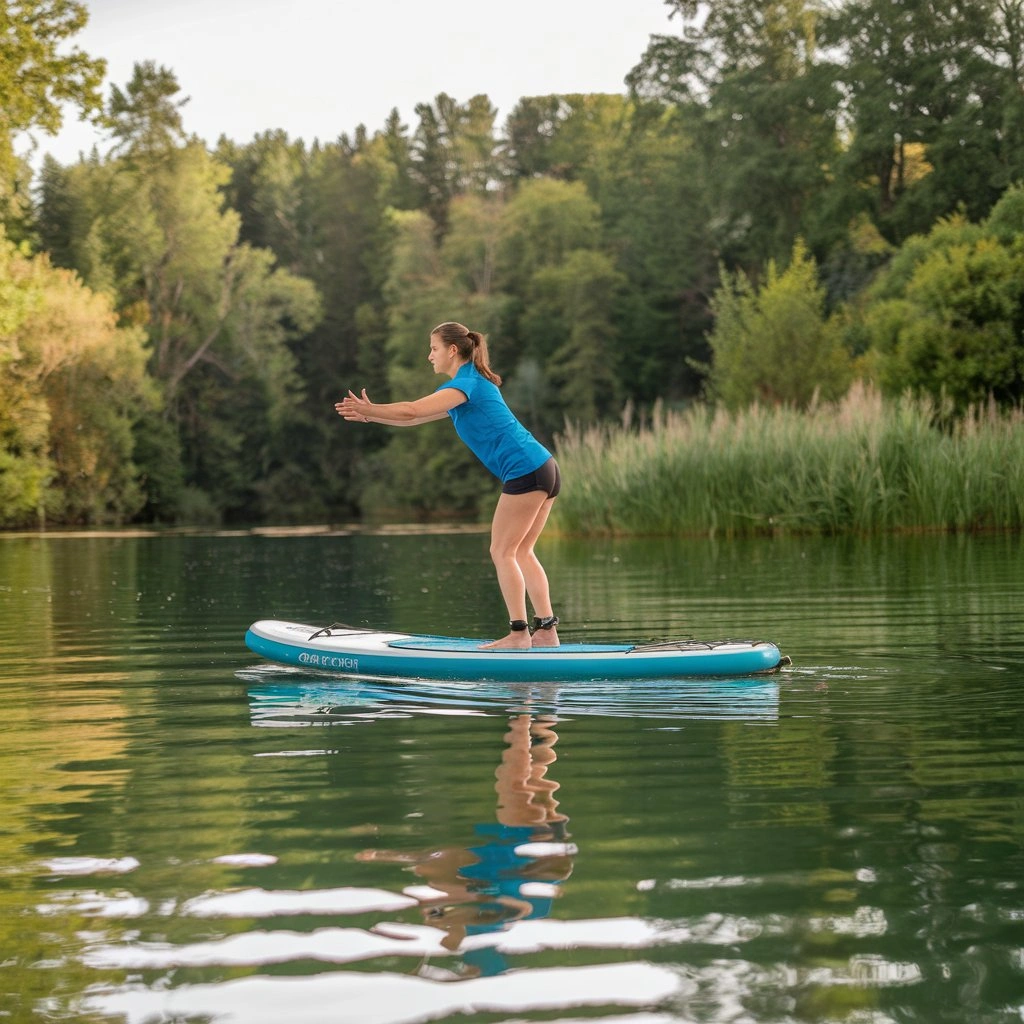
(546, 478)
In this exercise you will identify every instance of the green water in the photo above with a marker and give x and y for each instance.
(189, 834)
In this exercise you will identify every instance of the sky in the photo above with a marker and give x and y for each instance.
(320, 68)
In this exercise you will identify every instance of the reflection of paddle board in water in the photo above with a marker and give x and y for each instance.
(287, 697)
(357, 652)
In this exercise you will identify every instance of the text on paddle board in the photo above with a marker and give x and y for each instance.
(329, 661)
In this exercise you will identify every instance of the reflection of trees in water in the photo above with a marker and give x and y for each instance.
(511, 870)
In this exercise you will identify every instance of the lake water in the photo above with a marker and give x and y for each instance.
(189, 834)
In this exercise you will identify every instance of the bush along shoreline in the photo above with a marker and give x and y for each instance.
(864, 464)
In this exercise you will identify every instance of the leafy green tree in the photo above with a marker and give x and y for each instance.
(925, 97)
(151, 227)
(38, 74)
(72, 383)
(655, 209)
(773, 344)
(324, 212)
(646, 174)
(764, 111)
(423, 471)
(454, 152)
(25, 466)
(956, 334)
(1006, 221)
(577, 298)
(346, 253)
(268, 188)
(1000, 98)
(563, 136)
(562, 300)
(470, 250)
(946, 319)
(530, 135)
(396, 160)
(542, 223)
(145, 116)
(93, 376)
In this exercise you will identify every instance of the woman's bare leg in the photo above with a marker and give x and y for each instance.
(537, 579)
(518, 522)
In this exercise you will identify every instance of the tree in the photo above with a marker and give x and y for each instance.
(25, 466)
(73, 384)
(578, 297)
(151, 228)
(543, 222)
(1001, 99)
(946, 319)
(425, 471)
(37, 76)
(656, 215)
(773, 344)
(923, 109)
(563, 136)
(145, 117)
(529, 136)
(453, 152)
(750, 77)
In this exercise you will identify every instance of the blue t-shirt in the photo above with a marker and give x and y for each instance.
(490, 430)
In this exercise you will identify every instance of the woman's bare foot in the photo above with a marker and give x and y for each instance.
(545, 637)
(517, 640)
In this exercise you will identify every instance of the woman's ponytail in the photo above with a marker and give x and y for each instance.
(480, 358)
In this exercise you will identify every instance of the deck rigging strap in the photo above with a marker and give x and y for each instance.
(326, 630)
(691, 645)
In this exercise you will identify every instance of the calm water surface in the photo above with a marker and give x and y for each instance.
(191, 835)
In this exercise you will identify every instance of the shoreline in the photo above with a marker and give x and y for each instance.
(319, 530)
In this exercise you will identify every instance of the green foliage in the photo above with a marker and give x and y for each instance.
(577, 297)
(926, 86)
(956, 331)
(763, 111)
(1006, 221)
(72, 385)
(425, 471)
(453, 152)
(545, 220)
(38, 75)
(151, 228)
(145, 117)
(656, 209)
(945, 318)
(773, 344)
(25, 465)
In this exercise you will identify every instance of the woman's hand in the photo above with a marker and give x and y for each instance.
(355, 408)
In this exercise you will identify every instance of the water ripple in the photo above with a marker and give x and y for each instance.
(386, 998)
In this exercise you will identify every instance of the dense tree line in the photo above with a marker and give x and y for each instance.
(788, 195)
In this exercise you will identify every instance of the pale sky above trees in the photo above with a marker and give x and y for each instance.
(318, 68)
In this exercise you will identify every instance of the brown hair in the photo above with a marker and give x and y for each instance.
(471, 345)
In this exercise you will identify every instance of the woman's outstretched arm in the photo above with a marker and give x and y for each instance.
(359, 408)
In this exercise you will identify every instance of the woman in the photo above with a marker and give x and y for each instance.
(527, 470)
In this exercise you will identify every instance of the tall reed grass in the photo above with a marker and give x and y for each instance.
(864, 464)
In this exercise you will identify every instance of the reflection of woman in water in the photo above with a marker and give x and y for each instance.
(512, 873)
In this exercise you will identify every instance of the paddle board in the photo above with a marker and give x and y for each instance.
(344, 650)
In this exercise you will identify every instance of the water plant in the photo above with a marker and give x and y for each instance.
(862, 464)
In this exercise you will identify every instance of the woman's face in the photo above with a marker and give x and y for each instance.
(444, 358)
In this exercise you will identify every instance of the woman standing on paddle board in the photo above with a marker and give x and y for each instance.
(529, 475)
